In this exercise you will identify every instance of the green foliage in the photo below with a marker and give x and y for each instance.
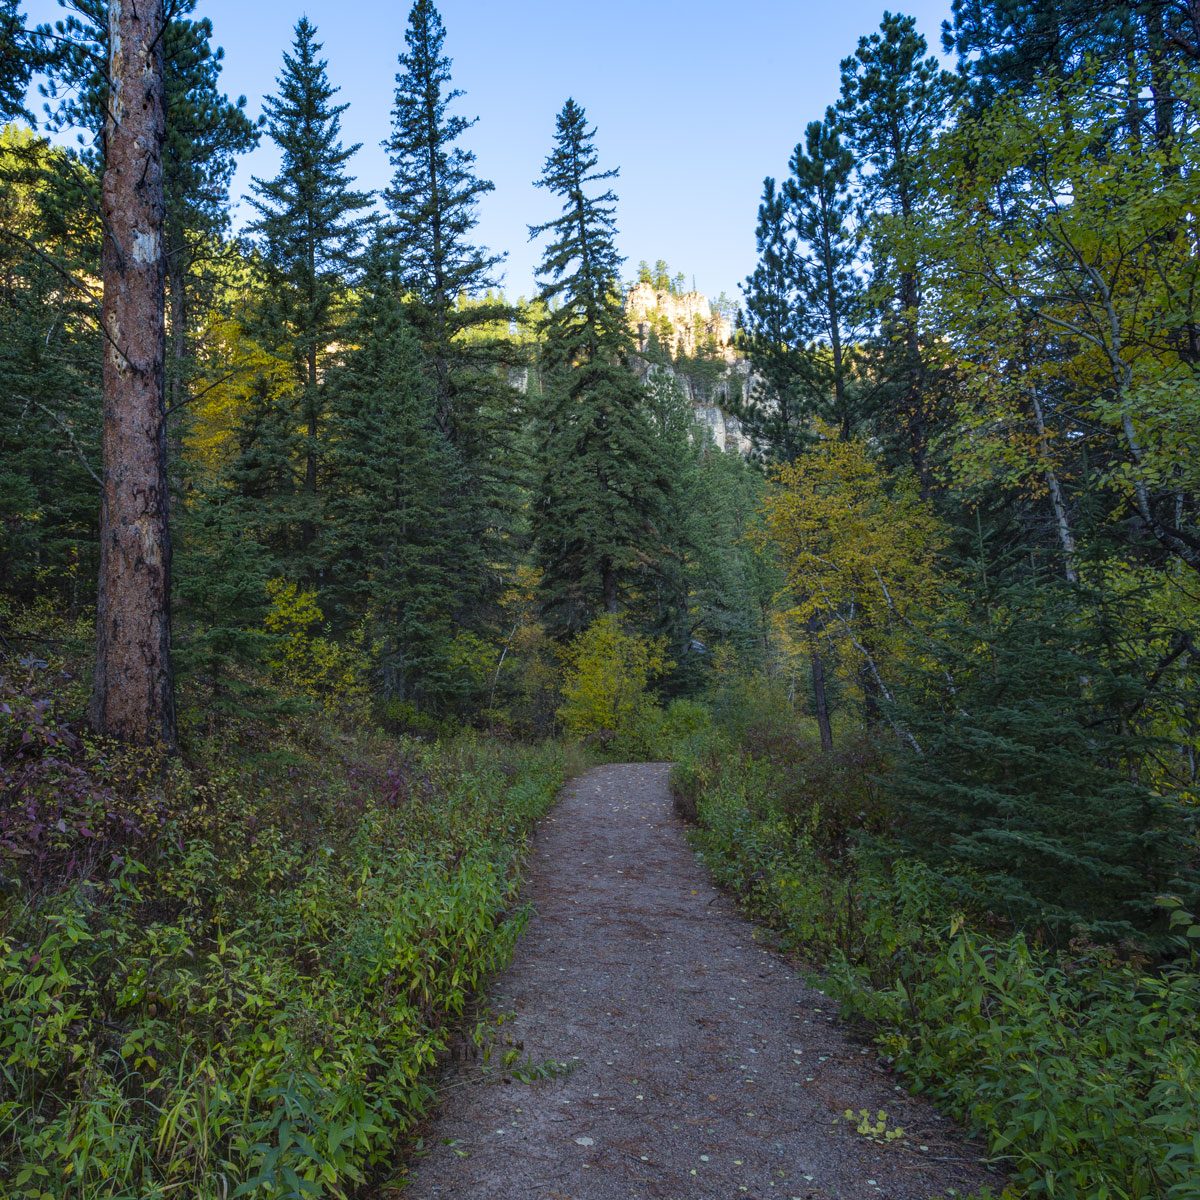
(894, 99)
(309, 229)
(602, 489)
(50, 362)
(771, 335)
(1080, 1068)
(608, 671)
(398, 531)
(709, 585)
(458, 316)
(250, 999)
(18, 59)
(804, 302)
(1028, 791)
(219, 608)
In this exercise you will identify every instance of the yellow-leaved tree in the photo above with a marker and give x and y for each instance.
(860, 550)
(608, 669)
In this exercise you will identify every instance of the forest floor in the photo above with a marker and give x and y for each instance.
(702, 1065)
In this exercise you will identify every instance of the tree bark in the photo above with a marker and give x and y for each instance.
(608, 585)
(133, 694)
(819, 694)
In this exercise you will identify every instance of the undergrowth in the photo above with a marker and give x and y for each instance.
(1081, 1067)
(230, 975)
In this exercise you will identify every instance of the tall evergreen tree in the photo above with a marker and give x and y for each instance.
(133, 692)
(894, 97)
(773, 412)
(1030, 793)
(16, 62)
(819, 204)
(432, 200)
(50, 352)
(800, 303)
(309, 228)
(396, 515)
(452, 306)
(602, 488)
(205, 134)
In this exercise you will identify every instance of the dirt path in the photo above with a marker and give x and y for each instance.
(704, 1067)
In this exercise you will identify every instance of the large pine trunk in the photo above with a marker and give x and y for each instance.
(133, 696)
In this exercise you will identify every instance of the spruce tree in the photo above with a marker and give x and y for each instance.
(1028, 793)
(205, 134)
(50, 355)
(308, 228)
(602, 488)
(396, 514)
(709, 583)
(432, 200)
(453, 308)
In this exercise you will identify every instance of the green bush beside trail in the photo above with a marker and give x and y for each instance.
(247, 996)
(1080, 1067)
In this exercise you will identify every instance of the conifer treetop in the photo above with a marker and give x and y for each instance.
(311, 198)
(434, 190)
(580, 267)
(894, 94)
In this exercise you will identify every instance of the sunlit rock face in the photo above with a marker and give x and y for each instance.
(682, 325)
(680, 321)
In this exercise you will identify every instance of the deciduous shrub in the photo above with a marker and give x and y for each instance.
(606, 699)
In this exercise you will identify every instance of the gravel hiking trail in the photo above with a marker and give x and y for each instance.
(702, 1064)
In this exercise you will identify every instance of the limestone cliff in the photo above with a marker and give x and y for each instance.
(681, 322)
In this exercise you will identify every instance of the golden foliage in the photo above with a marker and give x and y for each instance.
(859, 550)
(607, 673)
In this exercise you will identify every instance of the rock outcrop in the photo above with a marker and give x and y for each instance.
(684, 324)
(681, 323)
(712, 411)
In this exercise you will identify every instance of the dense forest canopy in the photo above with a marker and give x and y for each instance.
(964, 365)
(324, 465)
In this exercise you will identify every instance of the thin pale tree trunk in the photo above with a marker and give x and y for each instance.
(133, 694)
(1062, 523)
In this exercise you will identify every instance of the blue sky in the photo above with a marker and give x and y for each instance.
(695, 102)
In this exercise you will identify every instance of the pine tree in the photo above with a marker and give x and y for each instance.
(308, 229)
(133, 694)
(17, 61)
(396, 514)
(602, 489)
(818, 198)
(774, 413)
(894, 97)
